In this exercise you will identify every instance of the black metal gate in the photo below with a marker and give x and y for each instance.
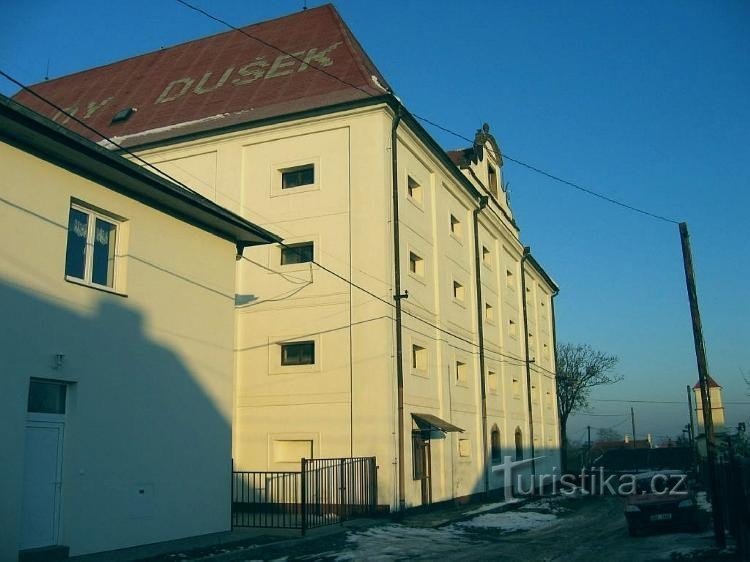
(324, 492)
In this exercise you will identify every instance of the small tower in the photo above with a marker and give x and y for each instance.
(717, 406)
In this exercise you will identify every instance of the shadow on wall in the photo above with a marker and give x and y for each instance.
(146, 453)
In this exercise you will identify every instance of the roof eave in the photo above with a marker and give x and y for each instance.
(25, 128)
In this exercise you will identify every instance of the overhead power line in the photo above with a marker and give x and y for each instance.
(504, 155)
(519, 360)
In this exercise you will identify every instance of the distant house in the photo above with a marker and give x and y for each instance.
(404, 318)
(117, 300)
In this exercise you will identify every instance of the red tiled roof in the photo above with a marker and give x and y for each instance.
(709, 381)
(220, 80)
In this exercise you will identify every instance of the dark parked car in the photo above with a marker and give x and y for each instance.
(662, 499)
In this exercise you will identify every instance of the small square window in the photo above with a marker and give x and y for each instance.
(298, 176)
(414, 190)
(492, 381)
(455, 227)
(418, 358)
(462, 375)
(464, 448)
(297, 253)
(458, 291)
(298, 353)
(92, 247)
(46, 397)
(416, 264)
(489, 312)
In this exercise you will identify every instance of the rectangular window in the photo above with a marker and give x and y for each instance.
(297, 253)
(464, 448)
(512, 328)
(91, 249)
(458, 291)
(489, 312)
(416, 264)
(509, 279)
(462, 376)
(46, 397)
(292, 450)
(414, 190)
(486, 256)
(418, 358)
(455, 227)
(548, 399)
(492, 179)
(516, 387)
(298, 176)
(298, 353)
(492, 381)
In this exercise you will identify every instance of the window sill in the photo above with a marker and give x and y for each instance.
(102, 288)
(418, 278)
(418, 204)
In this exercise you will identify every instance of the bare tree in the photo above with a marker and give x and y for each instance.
(579, 369)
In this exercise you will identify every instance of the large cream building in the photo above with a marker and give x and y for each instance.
(402, 318)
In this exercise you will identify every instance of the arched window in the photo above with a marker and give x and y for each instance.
(497, 453)
(519, 444)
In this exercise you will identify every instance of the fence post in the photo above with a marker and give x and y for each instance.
(342, 493)
(373, 484)
(231, 493)
(303, 485)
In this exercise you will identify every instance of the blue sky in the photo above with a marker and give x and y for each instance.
(644, 102)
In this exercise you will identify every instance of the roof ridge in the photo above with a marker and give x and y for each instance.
(237, 29)
(358, 52)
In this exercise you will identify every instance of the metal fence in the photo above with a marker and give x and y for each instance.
(324, 492)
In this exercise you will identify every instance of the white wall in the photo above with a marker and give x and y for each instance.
(149, 373)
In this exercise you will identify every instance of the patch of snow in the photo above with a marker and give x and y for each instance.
(110, 143)
(398, 542)
(546, 504)
(511, 521)
(490, 507)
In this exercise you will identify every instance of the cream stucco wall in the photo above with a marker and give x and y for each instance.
(346, 403)
(147, 437)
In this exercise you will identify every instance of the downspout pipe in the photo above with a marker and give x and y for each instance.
(480, 335)
(563, 446)
(397, 297)
(526, 255)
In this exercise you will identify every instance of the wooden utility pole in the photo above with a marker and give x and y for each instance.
(632, 424)
(700, 355)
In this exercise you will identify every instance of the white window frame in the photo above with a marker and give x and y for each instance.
(117, 263)
(278, 168)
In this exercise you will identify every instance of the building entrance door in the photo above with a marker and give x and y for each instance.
(423, 464)
(42, 484)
